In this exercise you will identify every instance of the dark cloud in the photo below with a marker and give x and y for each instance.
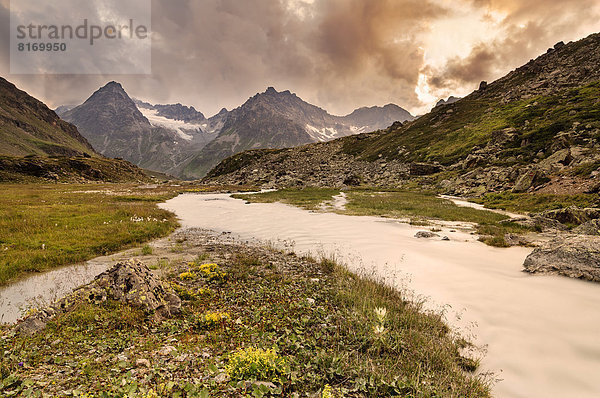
(338, 54)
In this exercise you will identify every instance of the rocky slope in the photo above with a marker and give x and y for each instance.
(449, 101)
(36, 145)
(115, 127)
(281, 119)
(536, 129)
(75, 169)
(28, 127)
(180, 140)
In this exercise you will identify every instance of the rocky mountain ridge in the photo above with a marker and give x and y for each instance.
(114, 125)
(180, 140)
(536, 129)
(275, 119)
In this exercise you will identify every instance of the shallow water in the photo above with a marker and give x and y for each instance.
(39, 290)
(542, 332)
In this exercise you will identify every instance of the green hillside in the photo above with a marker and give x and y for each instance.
(28, 127)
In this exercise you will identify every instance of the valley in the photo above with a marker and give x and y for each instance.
(308, 247)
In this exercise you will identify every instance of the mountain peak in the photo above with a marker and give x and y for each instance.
(113, 85)
(271, 90)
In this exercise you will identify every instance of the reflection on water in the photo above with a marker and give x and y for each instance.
(41, 289)
(542, 332)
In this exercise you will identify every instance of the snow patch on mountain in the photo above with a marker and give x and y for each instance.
(179, 126)
(323, 134)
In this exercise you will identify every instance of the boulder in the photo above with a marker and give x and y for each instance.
(575, 256)
(539, 223)
(516, 240)
(426, 235)
(129, 282)
(557, 160)
(424, 169)
(589, 228)
(528, 180)
(572, 215)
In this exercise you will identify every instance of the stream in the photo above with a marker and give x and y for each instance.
(541, 334)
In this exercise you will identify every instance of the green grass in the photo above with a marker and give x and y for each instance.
(415, 205)
(318, 319)
(307, 198)
(535, 203)
(44, 226)
(419, 207)
(47, 226)
(447, 138)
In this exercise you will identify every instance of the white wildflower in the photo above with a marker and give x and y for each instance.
(379, 329)
(381, 313)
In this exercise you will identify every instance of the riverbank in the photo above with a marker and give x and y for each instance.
(416, 208)
(46, 226)
(327, 327)
(531, 325)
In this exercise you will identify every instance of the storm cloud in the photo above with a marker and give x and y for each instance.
(338, 54)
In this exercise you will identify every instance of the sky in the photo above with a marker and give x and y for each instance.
(337, 54)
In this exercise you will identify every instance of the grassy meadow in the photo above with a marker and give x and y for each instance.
(47, 226)
(417, 207)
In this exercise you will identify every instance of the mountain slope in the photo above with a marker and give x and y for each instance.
(115, 127)
(281, 119)
(187, 114)
(36, 145)
(28, 127)
(536, 128)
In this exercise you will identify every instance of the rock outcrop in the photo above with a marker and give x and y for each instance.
(572, 215)
(576, 256)
(588, 228)
(129, 282)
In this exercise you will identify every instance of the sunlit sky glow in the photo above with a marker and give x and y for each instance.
(337, 54)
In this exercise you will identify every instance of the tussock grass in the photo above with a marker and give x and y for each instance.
(307, 198)
(415, 205)
(418, 207)
(48, 226)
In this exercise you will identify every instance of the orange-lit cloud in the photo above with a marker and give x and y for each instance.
(338, 54)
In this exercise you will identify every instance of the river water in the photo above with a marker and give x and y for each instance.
(542, 333)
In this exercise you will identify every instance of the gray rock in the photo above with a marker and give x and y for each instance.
(426, 235)
(575, 256)
(589, 228)
(516, 240)
(557, 160)
(129, 282)
(142, 362)
(528, 180)
(539, 223)
(572, 215)
(221, 378)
